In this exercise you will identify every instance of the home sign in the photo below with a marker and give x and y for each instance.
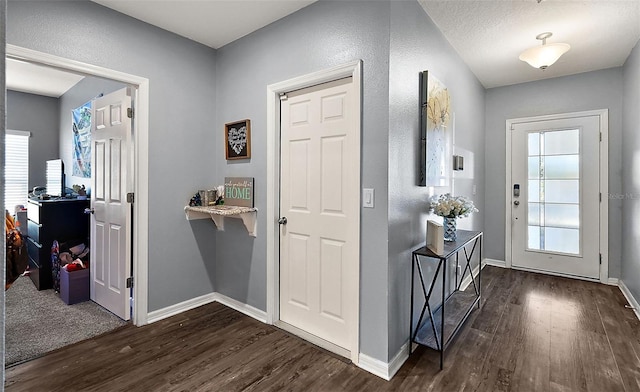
(238, 191)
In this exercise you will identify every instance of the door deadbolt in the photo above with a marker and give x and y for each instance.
(516, 202)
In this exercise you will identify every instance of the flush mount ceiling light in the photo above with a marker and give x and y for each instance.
(545, 55)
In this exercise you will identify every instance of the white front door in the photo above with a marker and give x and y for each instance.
(319, 196)
(111, 221)
(556, 217)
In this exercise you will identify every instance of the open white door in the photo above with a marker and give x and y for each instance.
(111, 219)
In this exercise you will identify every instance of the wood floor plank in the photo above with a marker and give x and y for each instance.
(498, 290)
(310, 370)
(469, 352)
(566, 370)
(599, 364)
(174, 348)
(532, 333)
(623, 333)
(530, 358)
(626, 358)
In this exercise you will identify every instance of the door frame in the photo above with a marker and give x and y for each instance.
(352, 69)
(141, 160)
(603, 115)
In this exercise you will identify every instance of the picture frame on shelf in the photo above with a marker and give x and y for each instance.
(237, 139)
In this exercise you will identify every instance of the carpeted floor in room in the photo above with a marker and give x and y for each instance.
(37, 322)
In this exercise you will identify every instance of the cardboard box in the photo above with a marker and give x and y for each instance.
(74, 286)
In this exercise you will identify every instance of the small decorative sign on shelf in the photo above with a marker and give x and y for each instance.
(238, 191)
(435, 237)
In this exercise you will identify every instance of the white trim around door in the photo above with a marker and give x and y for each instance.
(354, 70)
(603, 115)
(141, 164)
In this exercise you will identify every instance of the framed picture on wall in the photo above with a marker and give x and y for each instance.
(237, 140)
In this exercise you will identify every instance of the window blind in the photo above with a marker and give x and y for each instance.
(16, 169)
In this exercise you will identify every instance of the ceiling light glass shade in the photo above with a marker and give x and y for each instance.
(545, 55)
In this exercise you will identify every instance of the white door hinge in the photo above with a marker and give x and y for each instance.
(130, 112)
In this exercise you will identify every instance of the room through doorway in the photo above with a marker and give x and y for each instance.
(139, 87)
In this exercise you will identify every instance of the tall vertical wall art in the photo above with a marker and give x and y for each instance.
(436, 132)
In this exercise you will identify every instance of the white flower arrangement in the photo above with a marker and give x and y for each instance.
(449, 206)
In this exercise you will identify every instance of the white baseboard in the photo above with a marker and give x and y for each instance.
(613, 282)
(193, 303)
(630, 298)
(495, 263)
(172, 310)
(382, 369)
(374, 366)
(241, 307)
(398, 360)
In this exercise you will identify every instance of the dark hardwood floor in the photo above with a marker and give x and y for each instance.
(533, 333)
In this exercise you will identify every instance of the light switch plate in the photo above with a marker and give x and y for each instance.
(367, 197)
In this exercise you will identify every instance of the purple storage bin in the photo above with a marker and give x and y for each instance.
(74, 286)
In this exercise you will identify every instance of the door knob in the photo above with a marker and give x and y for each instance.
(516, 203)
(283, 220)
(89, 211)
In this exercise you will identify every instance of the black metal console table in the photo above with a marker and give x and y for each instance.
(444, 320)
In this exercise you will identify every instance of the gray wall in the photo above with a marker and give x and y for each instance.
(631, 173)
(40, 116)
(310, 43)
(86, 90)
(418, 45)
(323, 35)
(588, 91)
(181, 136)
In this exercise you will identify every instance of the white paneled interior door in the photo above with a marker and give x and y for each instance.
(319, 197)
(111, 219)
(556, 217)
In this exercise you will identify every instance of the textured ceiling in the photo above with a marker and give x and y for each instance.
(214, 23)
(489, 35)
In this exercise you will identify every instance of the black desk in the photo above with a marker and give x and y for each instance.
(436, 331)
